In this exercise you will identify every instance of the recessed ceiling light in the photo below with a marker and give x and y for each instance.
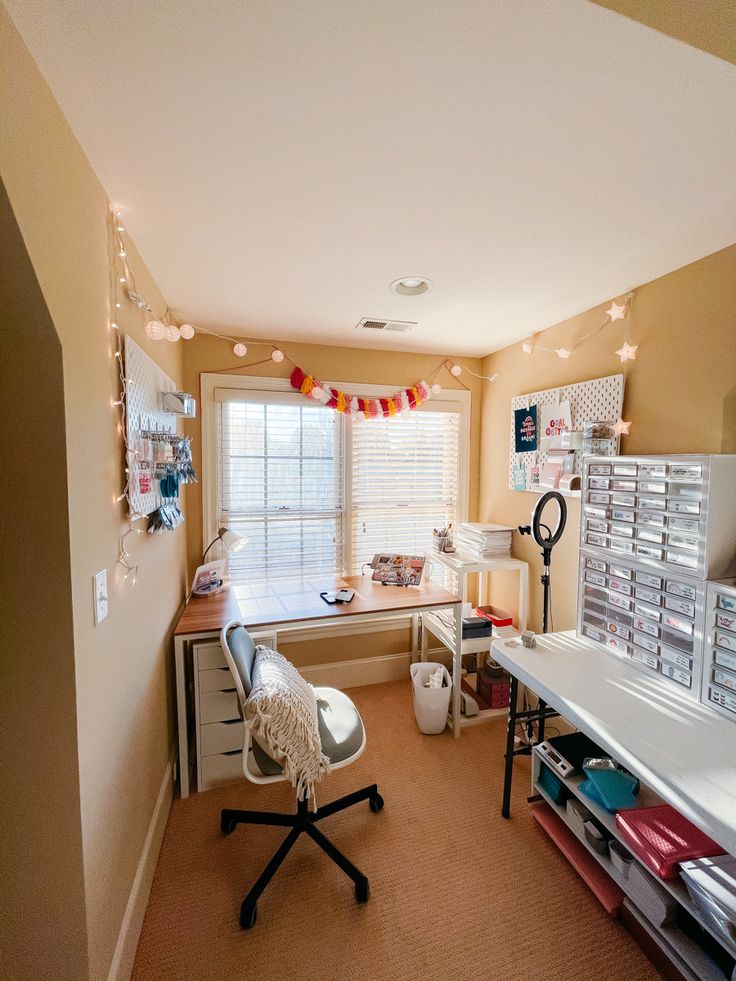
(411, 286)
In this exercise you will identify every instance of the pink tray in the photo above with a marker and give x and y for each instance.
(661, 837)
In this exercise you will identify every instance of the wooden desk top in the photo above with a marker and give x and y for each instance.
(297, 600)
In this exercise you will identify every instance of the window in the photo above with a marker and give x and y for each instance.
(405, 482)
(280, 481)
(317, 493)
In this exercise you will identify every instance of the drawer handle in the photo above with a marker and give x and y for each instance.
(231, 722)
(233, 752)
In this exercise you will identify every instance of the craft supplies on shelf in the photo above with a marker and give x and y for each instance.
(442, 539)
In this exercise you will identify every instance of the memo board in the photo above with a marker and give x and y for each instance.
(597, 400)
(146, 381)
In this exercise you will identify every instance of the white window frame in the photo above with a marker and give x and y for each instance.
(274, 389)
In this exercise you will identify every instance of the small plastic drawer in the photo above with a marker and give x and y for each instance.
(216, 679)
(221, 769)
(221, 737)
(218, 706)
(209, 656)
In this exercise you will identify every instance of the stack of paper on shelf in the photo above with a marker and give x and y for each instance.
(481, 541)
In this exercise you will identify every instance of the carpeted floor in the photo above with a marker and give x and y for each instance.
(456, 891)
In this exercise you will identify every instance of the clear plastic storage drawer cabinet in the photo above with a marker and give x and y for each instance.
(671, 512)
(719, 670)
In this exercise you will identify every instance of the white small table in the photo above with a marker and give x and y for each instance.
(464, 566)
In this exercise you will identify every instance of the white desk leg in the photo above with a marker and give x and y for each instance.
(415, 636)
(523, 596)
(424, 642)
(181, 712)
(457, 660)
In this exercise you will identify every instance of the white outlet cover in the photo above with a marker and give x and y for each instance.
(99, 585)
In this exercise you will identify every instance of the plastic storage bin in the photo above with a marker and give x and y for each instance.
(430, 704)
(661, 837)
(621, 858)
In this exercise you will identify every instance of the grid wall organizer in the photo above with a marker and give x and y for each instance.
(597, 400)
(146, 382)
(653, 531)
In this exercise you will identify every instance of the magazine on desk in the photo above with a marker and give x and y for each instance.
(397, 570)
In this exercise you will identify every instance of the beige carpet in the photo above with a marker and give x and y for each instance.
(456, 891)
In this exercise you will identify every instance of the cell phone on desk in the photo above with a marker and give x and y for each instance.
(341, 596)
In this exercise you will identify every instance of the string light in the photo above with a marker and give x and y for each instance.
(277, 356)
(564, 353)
(627, 352)
(621, 428)
(240, 350)
(187, 331)
(616, 312)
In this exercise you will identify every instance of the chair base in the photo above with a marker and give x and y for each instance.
(302, 822)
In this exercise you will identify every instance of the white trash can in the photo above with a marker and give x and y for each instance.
(430, 704)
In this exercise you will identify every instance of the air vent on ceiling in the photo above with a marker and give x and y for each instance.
(368, 323)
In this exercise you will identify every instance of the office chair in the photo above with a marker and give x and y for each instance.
(343, 740)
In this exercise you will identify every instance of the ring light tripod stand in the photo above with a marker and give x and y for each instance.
(546, 539)
(546, 542)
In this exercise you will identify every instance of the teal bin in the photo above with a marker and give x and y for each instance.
(552, 785)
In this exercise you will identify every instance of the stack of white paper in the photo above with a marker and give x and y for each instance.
(483, 541)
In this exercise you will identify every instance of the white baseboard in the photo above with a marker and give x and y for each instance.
(130, 929)
(364, 670)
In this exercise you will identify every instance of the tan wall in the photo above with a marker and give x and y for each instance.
(41, 839)
(709, 26)
(122, 666)
(353, 365)
(680, 397)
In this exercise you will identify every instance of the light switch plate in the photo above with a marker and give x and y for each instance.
(99, 583)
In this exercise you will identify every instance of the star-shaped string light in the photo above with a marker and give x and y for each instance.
(526, 347)
(616, 312)
(621, 428)
(627, 352)
(562, 352)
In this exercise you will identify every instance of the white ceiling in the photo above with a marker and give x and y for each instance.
(280, 162)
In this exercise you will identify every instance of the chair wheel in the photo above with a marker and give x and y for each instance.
(376, 803)
(248, 915)
(362, 891)
(227, 824)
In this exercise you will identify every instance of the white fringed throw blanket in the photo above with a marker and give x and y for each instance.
(281, 712)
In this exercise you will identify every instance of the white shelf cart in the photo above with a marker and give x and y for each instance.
(464, 566)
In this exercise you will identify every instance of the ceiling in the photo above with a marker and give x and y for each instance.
(279, 163)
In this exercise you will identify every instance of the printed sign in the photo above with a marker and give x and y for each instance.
(555, 419)
(525, 429)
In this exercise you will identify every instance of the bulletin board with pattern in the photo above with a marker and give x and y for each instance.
(598, 400)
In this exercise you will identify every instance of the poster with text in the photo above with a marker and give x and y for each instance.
(525, 429)
(555, 419)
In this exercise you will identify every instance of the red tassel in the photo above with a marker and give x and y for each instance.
(332, 404)
(384, 406)
(410, 396)
(297, 377)
(361, 405)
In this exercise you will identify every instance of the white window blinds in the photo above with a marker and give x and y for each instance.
(405, 482)
(280, 483)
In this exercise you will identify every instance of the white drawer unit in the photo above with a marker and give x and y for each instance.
(217, 722)
(653, 618)
(719, 670)
(670, 512)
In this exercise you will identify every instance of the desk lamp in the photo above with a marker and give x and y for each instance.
(230, 539)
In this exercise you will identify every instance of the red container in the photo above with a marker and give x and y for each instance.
(497, 616)
(495, 692)
(661, 837)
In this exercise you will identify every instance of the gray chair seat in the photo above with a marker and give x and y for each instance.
(340, 729)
